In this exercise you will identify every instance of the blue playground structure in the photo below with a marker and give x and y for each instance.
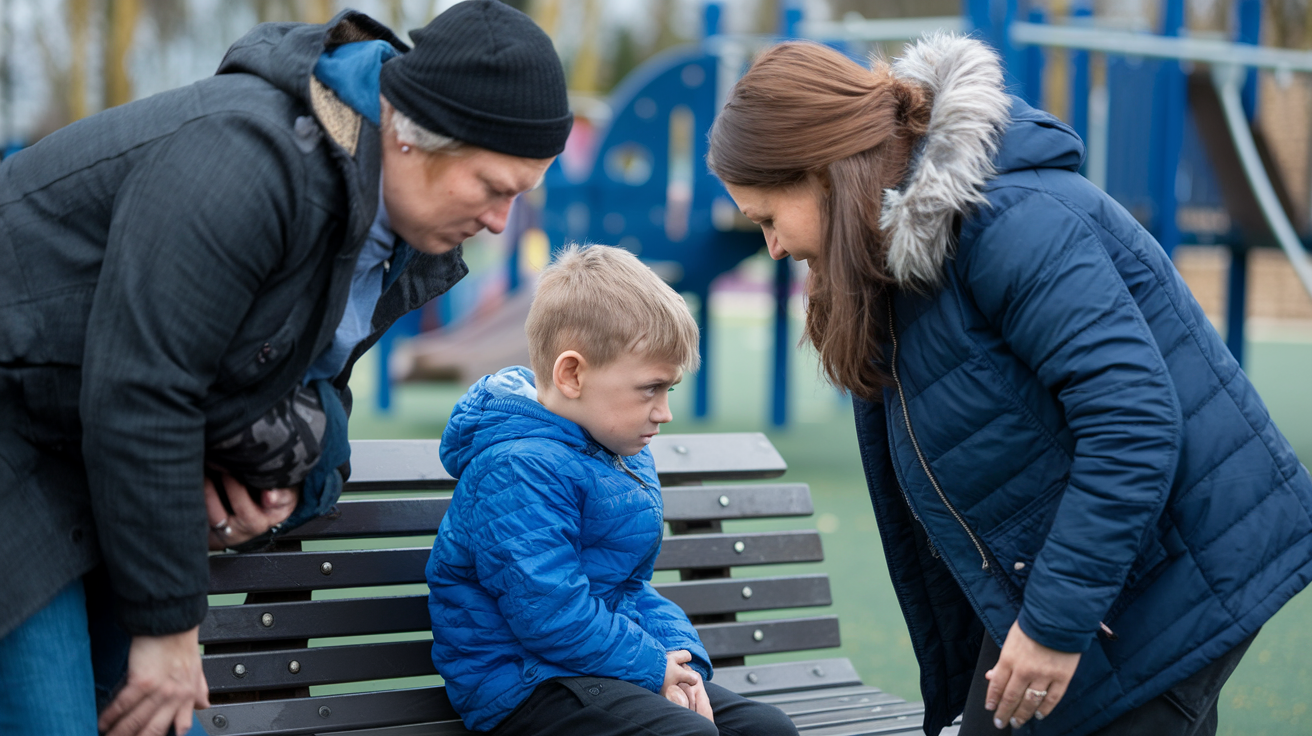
(1187, 163)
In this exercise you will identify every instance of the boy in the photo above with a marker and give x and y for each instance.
(544, 617)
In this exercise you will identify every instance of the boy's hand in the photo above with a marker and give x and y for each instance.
(675, 672)
(677, 694)
(698, 700)
(249, 520)
(683, 686)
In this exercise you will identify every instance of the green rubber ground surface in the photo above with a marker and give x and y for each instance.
(1269, 694)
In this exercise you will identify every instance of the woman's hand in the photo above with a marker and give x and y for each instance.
(165, 684)
(249, 519)
(1028, 680)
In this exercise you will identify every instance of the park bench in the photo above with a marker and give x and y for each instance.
(365, 630)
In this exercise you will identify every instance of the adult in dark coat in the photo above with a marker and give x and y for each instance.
(173, 269)
(1086, 510)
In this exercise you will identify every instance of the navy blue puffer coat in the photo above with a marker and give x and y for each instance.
(542, 565)
(1068, 442)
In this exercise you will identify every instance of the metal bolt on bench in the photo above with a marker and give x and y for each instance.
(261, 675)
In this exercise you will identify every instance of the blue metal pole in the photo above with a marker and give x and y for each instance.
(790, 19)
(1236, 301)
(1080, 83)
(701, 403)
(783, 288)
(992, 20)
(384, 350)
(1249, 28)
(1172, 102)
(1033, 88)
(512, 267)
(711, 19)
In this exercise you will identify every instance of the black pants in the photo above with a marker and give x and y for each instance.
(600, 706)
(1188, 708)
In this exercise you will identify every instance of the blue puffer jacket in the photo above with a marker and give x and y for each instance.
(1068, 441)
(543, 562)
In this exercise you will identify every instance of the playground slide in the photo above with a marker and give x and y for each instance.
(483, 344)
(1250, 184)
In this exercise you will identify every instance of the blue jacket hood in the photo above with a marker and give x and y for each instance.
(502, 407)
(1034, 139)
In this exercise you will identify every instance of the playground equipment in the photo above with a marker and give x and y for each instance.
(646, 186)
(1199, 132)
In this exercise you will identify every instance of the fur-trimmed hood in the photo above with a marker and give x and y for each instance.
(976, 131)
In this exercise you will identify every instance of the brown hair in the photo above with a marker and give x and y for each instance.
(806, 115)
(602, 301)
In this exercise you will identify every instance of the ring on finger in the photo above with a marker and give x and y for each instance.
(1037, 695)
(220, 526)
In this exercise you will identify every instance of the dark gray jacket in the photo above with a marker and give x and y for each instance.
(168, 270)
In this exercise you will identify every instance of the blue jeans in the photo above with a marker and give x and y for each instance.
(62, 665)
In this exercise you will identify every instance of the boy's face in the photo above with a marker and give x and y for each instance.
(623, 403)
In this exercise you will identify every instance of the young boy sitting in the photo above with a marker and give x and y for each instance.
(544, 617)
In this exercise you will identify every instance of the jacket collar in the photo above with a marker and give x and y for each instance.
(954, 160)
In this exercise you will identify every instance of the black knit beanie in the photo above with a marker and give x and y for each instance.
(484, 73)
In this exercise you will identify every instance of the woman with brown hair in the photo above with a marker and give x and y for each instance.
(1085, 508)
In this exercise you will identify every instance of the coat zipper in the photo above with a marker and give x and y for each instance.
(901, 486)
(906, 416)
(620, 465)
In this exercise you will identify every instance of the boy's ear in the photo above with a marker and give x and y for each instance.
(567, 373)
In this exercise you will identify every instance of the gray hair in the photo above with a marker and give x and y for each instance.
(411, 133)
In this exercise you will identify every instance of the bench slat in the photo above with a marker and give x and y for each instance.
(737, 502)
(797, 679)
(890, 718)
(804, 696)
(306, 570)
(315, 619)
(833, 704)
(363, 519)
(688, 458)
(356, 568)
(396, 465)
(317, 665)
(297, 716)
(734, 595)
(388, 615)
(759, 548)
(378, 661)
(366, 518)
(742, 638)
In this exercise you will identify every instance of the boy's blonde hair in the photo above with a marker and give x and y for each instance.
(603, 302)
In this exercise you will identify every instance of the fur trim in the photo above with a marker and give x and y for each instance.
(969, 111)
(341, 122)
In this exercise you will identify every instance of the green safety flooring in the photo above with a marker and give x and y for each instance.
(1268, 695)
